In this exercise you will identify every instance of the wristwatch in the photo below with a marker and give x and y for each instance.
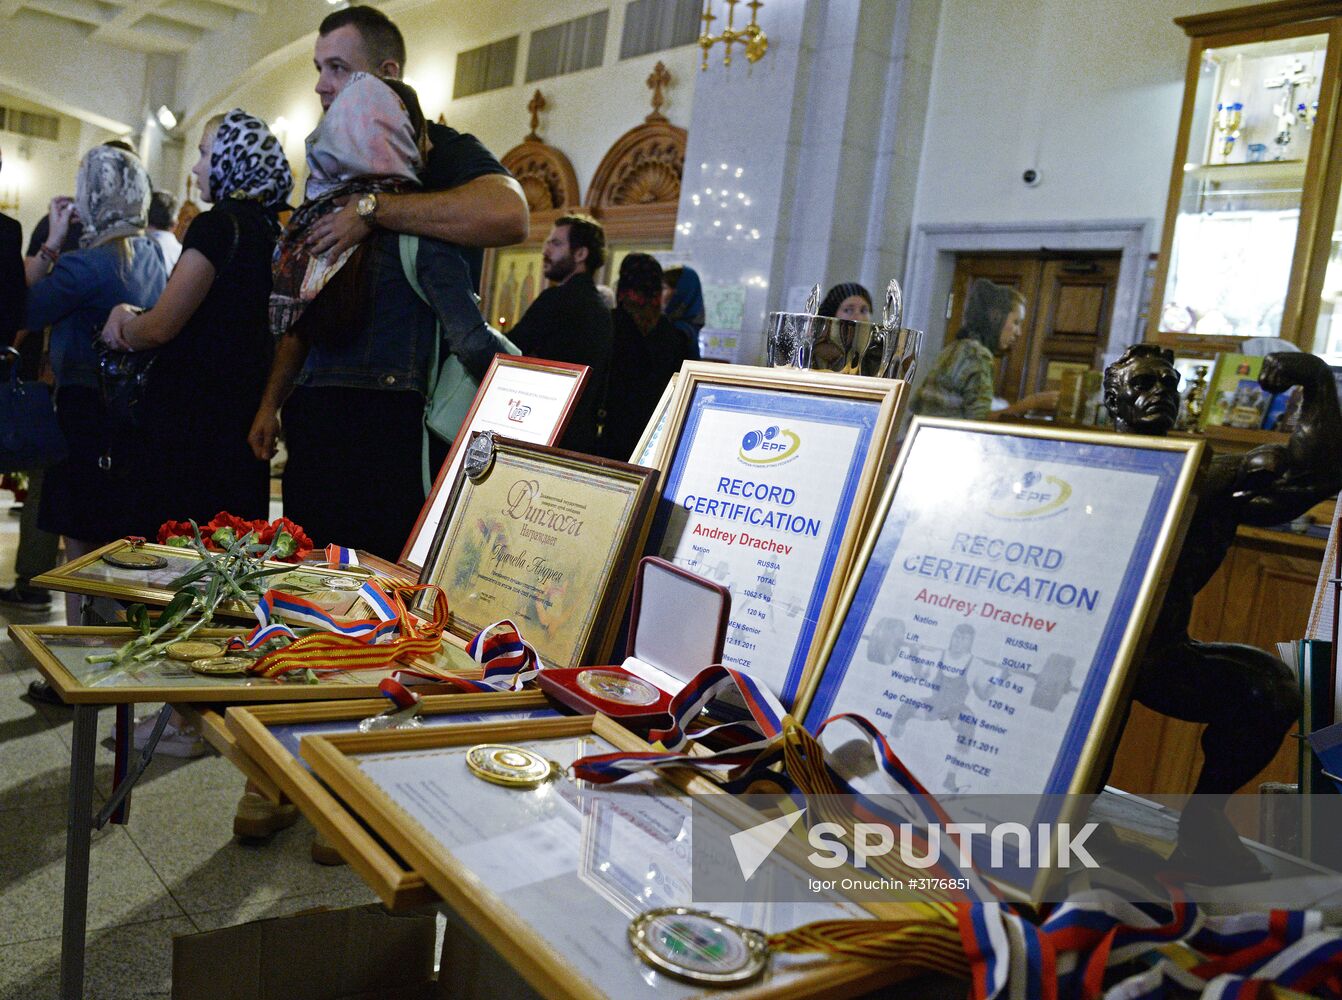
(367, 208)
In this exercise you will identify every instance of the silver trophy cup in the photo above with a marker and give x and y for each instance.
(823, 343)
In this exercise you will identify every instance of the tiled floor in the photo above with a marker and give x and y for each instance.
(174, 869)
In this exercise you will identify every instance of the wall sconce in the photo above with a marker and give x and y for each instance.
(166, 119)
(755, 41)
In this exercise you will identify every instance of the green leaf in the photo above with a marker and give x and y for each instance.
(178, 607)
(137, 617)
(195, 573)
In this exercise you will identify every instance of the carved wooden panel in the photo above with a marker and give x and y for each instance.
(636, 189)
(546, 176)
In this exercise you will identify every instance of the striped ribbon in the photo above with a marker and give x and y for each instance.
(507, 662)
(806, 770)
(1264, 956)
(400, 696)
(370, 644)
(766, 713)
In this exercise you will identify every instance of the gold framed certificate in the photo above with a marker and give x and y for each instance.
(552, 876)
(769, 477)
(105, 572)
(996, 609)
(546, 538)
(266, 738)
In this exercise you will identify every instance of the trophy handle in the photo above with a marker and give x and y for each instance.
(813, 300)
(893, 315)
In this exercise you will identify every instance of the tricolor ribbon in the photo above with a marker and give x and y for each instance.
(806, 769)
(340, 557)
(766, 713)
(507, 662)
(367, 644)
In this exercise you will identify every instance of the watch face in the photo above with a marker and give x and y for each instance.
(367, 206)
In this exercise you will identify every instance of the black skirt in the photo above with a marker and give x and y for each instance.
(354, 471)
(88, 496)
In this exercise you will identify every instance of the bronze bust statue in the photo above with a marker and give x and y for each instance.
(1247, 697)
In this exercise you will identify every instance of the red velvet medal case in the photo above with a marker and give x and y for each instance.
(677, 627)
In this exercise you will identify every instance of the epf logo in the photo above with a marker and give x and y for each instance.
(1033, 494)
(769, 446)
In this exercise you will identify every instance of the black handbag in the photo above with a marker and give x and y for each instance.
(123, 376)
(30, 437)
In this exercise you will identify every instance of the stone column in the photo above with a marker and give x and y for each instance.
(799, 169)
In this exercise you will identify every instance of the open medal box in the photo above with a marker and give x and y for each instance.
(677, 627)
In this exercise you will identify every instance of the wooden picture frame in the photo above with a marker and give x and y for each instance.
(261, 741)
(161, 679)
(976, 521)
(649, 443)
(531, 940)
(548, 539)
(90, 575)
(528, 399)
(719, 446)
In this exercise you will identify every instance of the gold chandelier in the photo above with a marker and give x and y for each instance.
(751, 36)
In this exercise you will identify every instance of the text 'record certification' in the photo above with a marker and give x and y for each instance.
(758, 500)
(1000, 582)
(521, 403)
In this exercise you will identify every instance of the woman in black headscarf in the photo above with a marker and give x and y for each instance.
(648, 350)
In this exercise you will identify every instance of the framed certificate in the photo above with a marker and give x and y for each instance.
(551, 876)
(267, 738)
(1000, 600)
(61, 652)
(99, 574)
(523, 398)
(769, 475)
(547, 538)
(646, 452)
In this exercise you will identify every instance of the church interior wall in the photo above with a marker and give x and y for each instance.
(586, 111)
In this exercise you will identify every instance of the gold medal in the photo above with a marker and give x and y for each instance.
(512, 766)
(192, 650)
(133, 558)
(220, 666)
(698, 947)
(622, 689)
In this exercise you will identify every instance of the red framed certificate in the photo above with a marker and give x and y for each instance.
(528, 399)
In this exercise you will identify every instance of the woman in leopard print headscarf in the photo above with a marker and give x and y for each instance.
(191, 454)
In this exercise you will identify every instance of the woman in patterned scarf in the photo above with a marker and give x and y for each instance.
(210, 332)
(83, 497)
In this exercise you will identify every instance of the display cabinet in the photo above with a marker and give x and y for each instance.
(1248, 247)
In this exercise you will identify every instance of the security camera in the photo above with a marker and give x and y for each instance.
(1031, 177)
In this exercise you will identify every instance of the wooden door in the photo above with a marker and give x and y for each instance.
(1069, 302)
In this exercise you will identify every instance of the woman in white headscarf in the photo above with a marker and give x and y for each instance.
(84, 498)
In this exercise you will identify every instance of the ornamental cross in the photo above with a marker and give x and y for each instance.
(658, 79)
(536, 105)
